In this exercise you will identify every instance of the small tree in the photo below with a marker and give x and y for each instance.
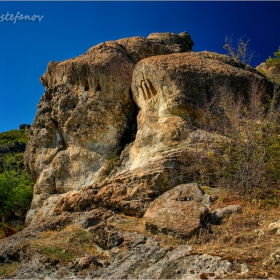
(239, 51)
(274, 60)
(246, 152)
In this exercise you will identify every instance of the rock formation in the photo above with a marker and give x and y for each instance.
(94, 106)
(87, 116)
(119, 130)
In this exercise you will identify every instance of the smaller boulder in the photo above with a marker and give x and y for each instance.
(178, 212)
(275, 226)
(220, 213)
(84, 263)
(105, 236)
(275, 256)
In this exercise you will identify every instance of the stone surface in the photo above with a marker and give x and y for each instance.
(220, 213)
(106, 237)
(86, 116)
(72, 147)
(171, 92)
(144, 258)
(275, 256)
(15, 247)
(178, 212)
(275, 226)
(137, 257)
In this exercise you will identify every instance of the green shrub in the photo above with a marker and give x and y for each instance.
(274, 60)
(16, 190)
(14, 135)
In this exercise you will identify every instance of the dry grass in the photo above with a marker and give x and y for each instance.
(129, 223)
(243, 238)
(7, 269)
(65, 245)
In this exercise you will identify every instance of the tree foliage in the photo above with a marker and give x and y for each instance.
(14, 135)
(274, 60)
(16, 188)
(15, 194)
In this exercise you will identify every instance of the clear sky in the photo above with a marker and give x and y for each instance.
(68, 29)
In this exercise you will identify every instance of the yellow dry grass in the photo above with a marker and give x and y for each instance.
(243, 238)
(8, 269)
(65, 245)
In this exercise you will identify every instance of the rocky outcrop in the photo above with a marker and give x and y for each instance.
(82, 150)
(133, 256)
(144, 258)
(117, 142)
(87, 115)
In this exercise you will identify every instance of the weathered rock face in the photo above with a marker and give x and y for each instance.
(171, 91)
(121, 130)
(86, 115)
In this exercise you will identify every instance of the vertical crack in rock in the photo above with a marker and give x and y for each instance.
(131, 128)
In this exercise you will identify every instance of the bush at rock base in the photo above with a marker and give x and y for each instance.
(246, 157)
(16, 188)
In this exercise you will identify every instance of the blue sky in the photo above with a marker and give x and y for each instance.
(68, 29)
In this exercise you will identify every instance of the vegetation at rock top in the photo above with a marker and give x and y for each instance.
(16, 188)
(239, 51)
(274, 60)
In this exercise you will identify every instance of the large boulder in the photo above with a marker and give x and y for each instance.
(173, 139)
(179, 212)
